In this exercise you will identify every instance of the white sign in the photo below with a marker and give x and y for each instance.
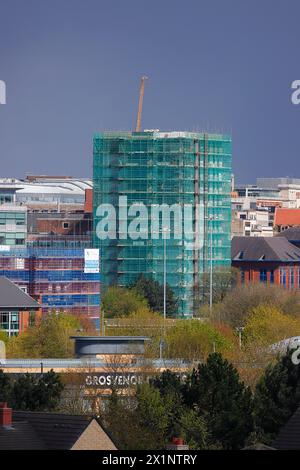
(4, 247)
(20, 263)
(91, 260)
(2, 92)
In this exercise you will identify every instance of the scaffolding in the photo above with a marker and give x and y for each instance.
(157, 168)
(55, 277)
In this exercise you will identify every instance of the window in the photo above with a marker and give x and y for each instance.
(282, 277)
(263, 275)
(9, 322)
(65, 224)
(292, 278)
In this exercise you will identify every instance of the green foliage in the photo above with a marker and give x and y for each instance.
(193, 340)
(215, 391)
(30, 392)
(5, 387)
(239, 303)
(193, 430)
(152, 416)
(4, 336)
(37, 393)
(121, 302)
(50, 338)
(224, 279)
(267, 325)
(277, 396)
(153, 291)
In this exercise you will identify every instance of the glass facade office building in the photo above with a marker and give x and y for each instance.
(13, 225)
(191, 170)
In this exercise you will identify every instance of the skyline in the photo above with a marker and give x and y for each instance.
(72, 69)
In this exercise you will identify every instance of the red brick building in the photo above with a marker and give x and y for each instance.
(286, 218)
(17, 309)
(273, 260)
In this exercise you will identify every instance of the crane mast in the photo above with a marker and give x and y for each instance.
(140, 106)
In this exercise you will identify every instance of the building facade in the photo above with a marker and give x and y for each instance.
(153, 168)
(13, 225)
(56, 277)
(269, 260)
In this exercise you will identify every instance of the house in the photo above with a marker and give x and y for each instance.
(272, 260)
(289, 435)
(292, 234)
(17, 309)
(21, 430)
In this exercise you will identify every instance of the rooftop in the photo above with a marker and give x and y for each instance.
(287, 216)
(289, 435)
(12, 297)
(42, 430)
(157, 134)
(264, 249)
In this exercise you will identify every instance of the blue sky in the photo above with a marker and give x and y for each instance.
(72, 68)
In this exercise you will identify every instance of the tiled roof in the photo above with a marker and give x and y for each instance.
(292, 234)
(287, 216)
(264, 249)
(20, 436)
(289, 436)
(11, 296)
(56, 430)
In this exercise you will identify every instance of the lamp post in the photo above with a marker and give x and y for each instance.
(164, 232)
(211, 218)
(240, 329)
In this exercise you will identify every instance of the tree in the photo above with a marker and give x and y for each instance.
(193, 340)
(216, 393)
(153, 291)
(36, 393)
(224, 279)
(267, 325)
(121, 302)
(3, 336)
(240, 302)
(5, 387)
(152, 415)
(50, 338)
(277, 396)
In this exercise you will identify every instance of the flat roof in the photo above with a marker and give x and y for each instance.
(110, 338)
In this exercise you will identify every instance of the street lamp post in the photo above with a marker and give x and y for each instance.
(164, 232)
(211, 266)
(240, 329)
(211, 218)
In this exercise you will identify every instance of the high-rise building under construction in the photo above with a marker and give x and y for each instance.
(175, 170)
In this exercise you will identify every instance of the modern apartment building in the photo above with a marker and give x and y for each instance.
(136, 173)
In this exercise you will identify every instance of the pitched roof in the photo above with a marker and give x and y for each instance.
(264, 249)
(62, 431)
(20, 436)
(285, 216)
(292, 234)
(11, 296)
(56, 430)
(289, 435)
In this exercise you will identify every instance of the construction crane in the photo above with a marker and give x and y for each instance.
(140, 108)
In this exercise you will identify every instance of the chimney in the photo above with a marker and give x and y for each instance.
(177, 443)
(5, 415)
